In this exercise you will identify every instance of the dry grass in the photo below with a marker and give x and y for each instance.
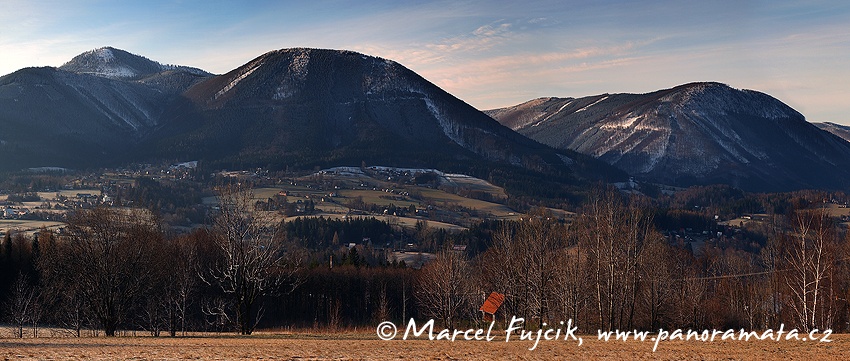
(497, 210)
(370, 196)
(27, 226)
(406, 222)
(835, 210)
(304, 346)
(69, 193)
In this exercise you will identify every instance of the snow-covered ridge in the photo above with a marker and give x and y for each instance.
(385, 76)
(107, 62)
(701, 113)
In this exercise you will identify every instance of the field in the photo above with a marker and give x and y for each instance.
(372, 190)
(365, 346)
(27, 226)
(836, 210)
(406, 222)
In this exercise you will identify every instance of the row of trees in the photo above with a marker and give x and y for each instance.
(115, 268)
(608, 268)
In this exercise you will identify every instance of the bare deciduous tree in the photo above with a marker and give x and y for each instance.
(658, 284)
(184, 276)
(810, 258)
(104, 264)
(21, 303)
(442, 287)
(251, 259)
(524, 264)
(615, 234)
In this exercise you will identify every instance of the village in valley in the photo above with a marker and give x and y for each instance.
(405, 198)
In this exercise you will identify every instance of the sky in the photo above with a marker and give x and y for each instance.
(488, 53)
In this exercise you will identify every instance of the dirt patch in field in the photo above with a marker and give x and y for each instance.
(367, 347)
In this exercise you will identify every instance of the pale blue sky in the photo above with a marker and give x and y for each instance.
(488, 53)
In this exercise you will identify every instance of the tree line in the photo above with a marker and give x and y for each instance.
(609, 267)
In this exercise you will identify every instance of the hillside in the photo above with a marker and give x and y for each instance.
(307, 107)
(839, 130)
(700, 133)
(287, 109)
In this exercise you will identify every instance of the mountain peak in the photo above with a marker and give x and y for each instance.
(305, 74)
(109, 62)
(696, 133)
(112, 63)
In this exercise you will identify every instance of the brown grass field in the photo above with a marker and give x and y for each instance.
(363, 346)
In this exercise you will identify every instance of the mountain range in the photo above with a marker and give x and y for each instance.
(305, 108)
(87, 112)
(693, 134)
(288, 108)
(841, 131)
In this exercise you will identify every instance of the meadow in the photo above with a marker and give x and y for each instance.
(366, 346)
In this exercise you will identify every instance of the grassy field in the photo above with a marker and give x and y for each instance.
(836, 210)
(406, 222)
(378, 191)
(69, 193)
(27, 226)
(366, 346)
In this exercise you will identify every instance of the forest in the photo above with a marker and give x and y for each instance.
(620, 263)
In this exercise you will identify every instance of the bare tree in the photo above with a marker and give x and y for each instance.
(104, 263)
(809, 255)
(382, 310)
(658, 286)
(217, 312)
(571, 282)
(615, 235)
(251, 259)
(442, 287)
(528, 262)
(183, 286)
(62, 298)
(21, 303)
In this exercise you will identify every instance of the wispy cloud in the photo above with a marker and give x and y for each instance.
(491, 54)
(483, 38)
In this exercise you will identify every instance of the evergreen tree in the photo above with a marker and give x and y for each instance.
(7, 245)
(36, 251)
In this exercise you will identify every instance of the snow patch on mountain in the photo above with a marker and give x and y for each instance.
(567, 160)
(118, 64)
(237, 79)
(102, 62)
(451, 129)
(104, 54)
(621, 123)
(553, 114)
(592, 104)
(127, 105)
(295, 76)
